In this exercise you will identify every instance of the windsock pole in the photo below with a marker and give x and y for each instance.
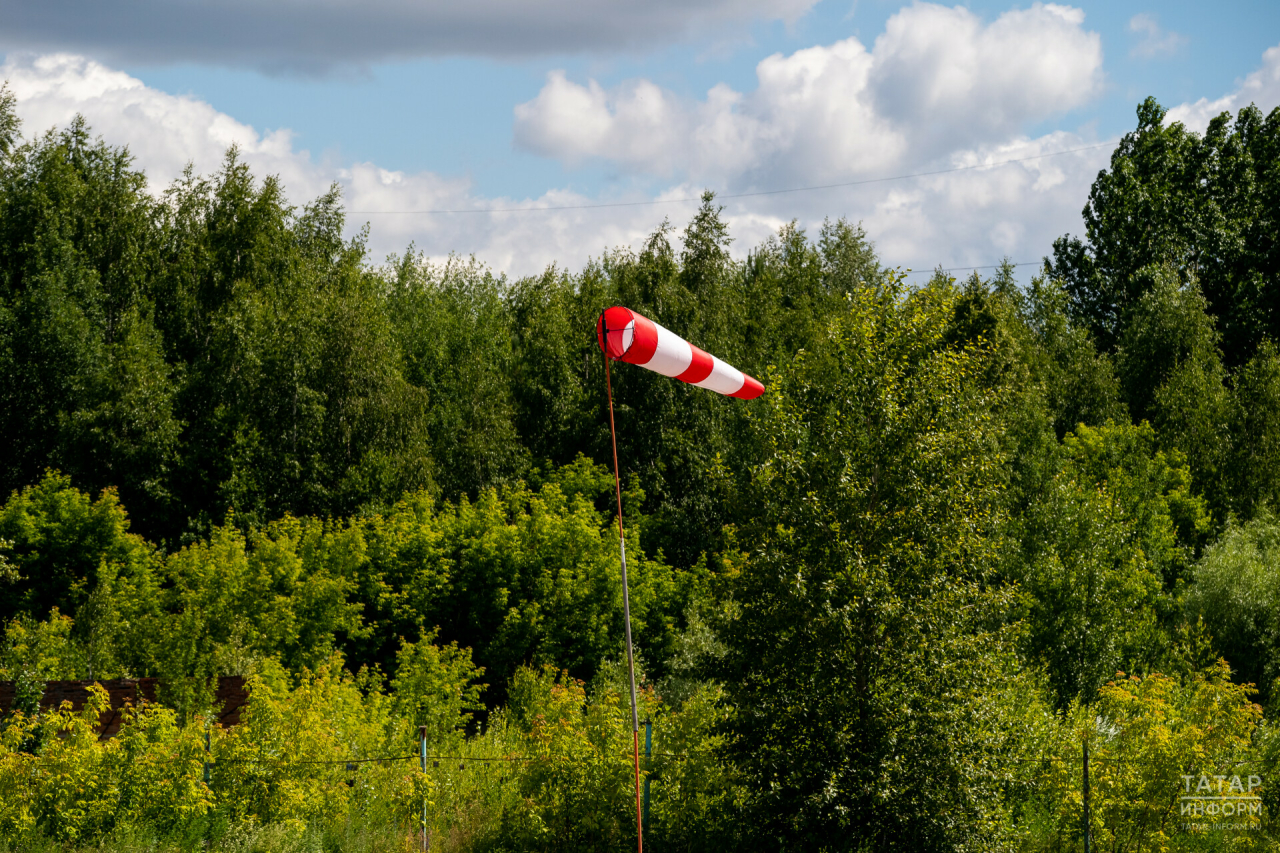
(627, 336)
(626, 611)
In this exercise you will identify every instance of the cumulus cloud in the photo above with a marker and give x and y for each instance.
(164, 132)
(293, 35)
(938, 79)
(977, 217)
(1155, 41)
(1262, 87)
(637, 122)
(966, 218)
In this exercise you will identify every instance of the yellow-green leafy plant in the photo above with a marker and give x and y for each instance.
(1151, 740)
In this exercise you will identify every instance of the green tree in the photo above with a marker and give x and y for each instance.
(1080, 383)
(1152, 740)
(1105, 551)
(866, 664)
(676, 438)
(669, 433)
(1255, 434)
(450, 326)
(10, 124)
(1237, 593)
(1202, 204)
(1171, 372)
(521, 576)
(233, 603)
(293, 389)
(556, 372)
(87, 388)
(437, 688)
(76, 556)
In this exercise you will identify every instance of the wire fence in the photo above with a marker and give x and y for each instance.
(1009, 759)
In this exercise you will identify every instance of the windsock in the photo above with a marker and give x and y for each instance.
(626, 336)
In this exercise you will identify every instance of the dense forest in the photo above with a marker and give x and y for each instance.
(972, 531)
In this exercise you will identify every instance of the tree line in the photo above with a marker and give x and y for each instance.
(969, 526)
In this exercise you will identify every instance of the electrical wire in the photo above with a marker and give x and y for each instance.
(997, 760)
(651, 202)
(921, 271)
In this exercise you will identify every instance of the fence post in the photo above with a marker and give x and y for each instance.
(1087, 829)
(422, 755)
(648, 754)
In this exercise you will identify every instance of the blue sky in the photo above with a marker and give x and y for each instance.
(453, 115)
(528, 104)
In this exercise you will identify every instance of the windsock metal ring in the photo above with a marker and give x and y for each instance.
(627, 336)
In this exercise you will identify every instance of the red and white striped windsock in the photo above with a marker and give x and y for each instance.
(626, 336)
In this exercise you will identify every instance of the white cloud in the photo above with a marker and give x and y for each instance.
(974, 218)
(963, 218)
(938, 79)
(1155, 40)
(164, 132)
(267, 34)
(1262, 88)
(939, 89)
(943, 69)
(636, 123)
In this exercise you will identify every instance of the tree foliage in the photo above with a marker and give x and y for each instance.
(1202, 204)
(878, 608)
(854, 659)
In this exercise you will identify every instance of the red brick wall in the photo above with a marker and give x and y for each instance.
(229, 699)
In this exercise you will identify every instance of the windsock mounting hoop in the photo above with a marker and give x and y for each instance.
(624, 335)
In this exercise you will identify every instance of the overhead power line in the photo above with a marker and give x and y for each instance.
(651, 202)
(931, 271)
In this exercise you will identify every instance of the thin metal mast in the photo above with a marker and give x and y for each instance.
(626, 609)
